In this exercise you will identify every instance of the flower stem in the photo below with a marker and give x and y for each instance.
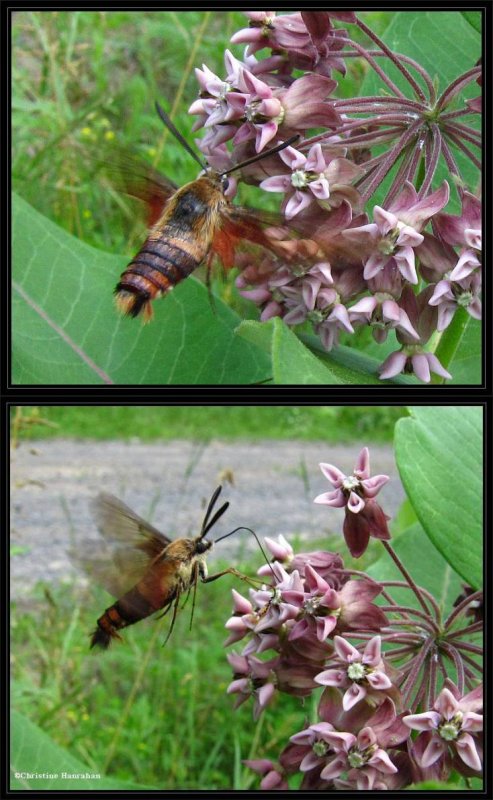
(463, 605)
(456, 659)
(407, 576)
(395, 60)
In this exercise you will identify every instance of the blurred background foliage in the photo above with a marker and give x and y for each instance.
(307, 423)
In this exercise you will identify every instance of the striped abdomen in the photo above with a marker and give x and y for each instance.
(175, 247)
(156, 590)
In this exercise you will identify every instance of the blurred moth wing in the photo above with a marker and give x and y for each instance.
(125, 549)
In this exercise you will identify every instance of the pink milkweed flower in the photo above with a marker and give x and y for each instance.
(260, 111)
(326, 40)
(413, 357)
(318, 176)
(450, 726)
(351, 491)
(212, 107)
(263, 108)
(370, 779)
(396, 231)
(252, 677)
(311, 746)
(458, 282)
(322, 610)
(359, 673)
(409, 360)
(273, 776)
(268, 30)
(367, 749)
(318, 606)
(364, 517)
(359, 752)
(383, 313)
(463, 230)
(451, 294)
(331, 324)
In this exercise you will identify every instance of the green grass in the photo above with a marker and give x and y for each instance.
(307, 423)
(178, 730)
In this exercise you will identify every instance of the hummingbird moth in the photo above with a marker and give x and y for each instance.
(142, 567)
(189, 225)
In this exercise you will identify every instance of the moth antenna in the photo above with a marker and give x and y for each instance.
(243, 528)
(260, 156)
(176, 133)
(214, 519)
(207, 525)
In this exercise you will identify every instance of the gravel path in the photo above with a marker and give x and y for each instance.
(167, 483)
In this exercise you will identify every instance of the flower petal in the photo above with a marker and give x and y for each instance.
(373, 485)
(434, 750)
(265, 133)
(346, 651)
(333, 474)
(404, 258)
(421, 367)
(277, 183)
(335, 499)
(381, 761)
(372, 651)
(355, 503)
(466, 748)
(332, 677)
(354, 695)
(297, 203)
(379, 680)
(427, 721)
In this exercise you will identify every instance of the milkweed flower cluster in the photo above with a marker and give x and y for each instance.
(403, 265)
(399, 695)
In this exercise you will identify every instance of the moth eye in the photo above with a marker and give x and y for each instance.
(225, 184)
(202, 546)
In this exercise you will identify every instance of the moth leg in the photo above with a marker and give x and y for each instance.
(193, 582)
(166, 609)
(175, 610)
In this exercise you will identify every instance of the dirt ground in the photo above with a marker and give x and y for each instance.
(169, 483)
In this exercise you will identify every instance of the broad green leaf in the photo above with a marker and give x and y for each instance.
(439, 456)
(33, 753)
(459, 349)
(405, 518)
(257, 333)
(426, 566)
(65, 329)
(355, 361)
(474, 19)
(293, 363)
(429, 37)
(301, 361)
